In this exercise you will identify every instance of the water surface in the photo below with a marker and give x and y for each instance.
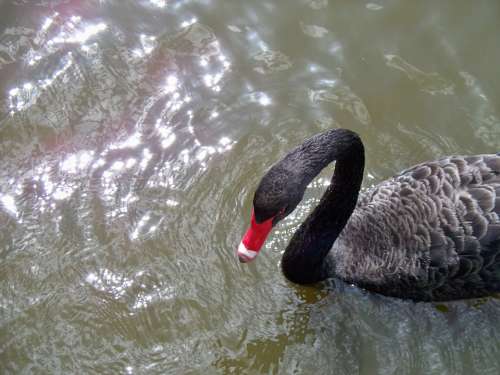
(132, 137)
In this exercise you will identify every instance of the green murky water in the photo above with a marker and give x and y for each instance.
(132, 136)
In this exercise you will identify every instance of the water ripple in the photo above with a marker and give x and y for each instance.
(432, 83)
(132, 138)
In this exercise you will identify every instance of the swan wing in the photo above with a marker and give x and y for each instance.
(461, 224)
(431, 232)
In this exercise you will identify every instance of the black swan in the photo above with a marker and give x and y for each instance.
(431, 233)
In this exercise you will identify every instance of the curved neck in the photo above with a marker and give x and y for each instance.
(304, 260)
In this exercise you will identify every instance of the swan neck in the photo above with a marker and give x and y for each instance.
(305, 259)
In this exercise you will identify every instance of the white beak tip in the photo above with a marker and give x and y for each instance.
(245, 255)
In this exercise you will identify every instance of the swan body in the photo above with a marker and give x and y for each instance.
(430, 233)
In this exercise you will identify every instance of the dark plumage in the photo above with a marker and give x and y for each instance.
(431, 233)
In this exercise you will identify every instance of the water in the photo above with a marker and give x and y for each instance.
(132, 137)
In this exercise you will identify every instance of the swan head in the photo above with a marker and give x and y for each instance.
(276, 196)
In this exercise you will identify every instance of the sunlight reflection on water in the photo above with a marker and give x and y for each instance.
(132, 136)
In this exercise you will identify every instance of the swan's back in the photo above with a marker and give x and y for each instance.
(429, 233)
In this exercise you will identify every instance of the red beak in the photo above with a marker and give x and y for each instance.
(253, 239)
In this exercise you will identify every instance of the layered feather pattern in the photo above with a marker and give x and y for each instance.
(429, 233)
